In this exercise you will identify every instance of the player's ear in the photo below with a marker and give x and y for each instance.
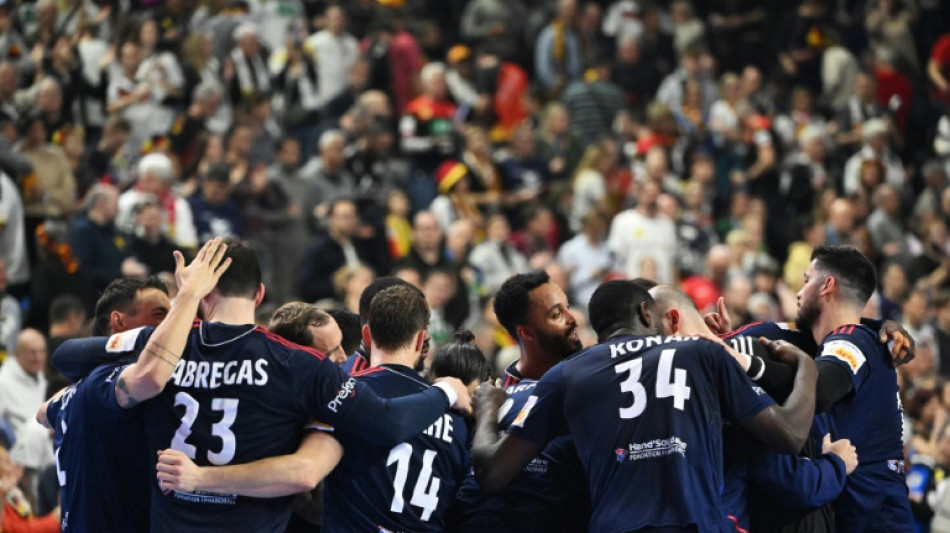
(420, 340)
(367, 336)
(827, 285)
(525, 333)
(260, 295)
(116, 321)
(673, 315)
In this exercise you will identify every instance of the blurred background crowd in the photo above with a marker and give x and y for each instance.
(709, 143)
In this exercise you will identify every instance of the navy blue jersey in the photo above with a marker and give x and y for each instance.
(549, 495)
(645, 414)
(875, 496)
(101, 459)
(403, 488)
(241, 393)
(355, 362)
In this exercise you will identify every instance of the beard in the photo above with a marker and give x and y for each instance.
(807, 316)
(561, 346)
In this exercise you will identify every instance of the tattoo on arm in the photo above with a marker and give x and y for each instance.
(156, 354)
(123, 387)
(164, 349)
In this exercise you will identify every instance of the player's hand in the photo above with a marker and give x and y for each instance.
(719, 321)
(464, 403)
(904, 349)
(177, 472)
(200, 277)
(488, 399)
(786, 352)
(843, 449)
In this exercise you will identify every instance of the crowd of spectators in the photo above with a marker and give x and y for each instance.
(710, 143)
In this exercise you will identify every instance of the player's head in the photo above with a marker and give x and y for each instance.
(461, 359)
(129, 303)
(398, 320)
(674, 311)
(349, 324)
(308, 325)
(837, 275)
(621, 306)
(536, 313)
(243, 278)
(377, 286)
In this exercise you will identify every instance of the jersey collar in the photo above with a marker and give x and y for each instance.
(512, 376)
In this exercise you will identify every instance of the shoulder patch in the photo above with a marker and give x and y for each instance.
(523, 414)
(844, 351)
(123, 342)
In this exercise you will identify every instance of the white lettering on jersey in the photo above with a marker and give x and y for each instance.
(846, 352)
(441, 428)
(347, 390)
(623, 348)
(212, 375)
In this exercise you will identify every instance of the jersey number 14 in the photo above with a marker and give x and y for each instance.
(425, 495)
(665, 387)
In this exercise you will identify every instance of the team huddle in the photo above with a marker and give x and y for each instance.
(670, 423)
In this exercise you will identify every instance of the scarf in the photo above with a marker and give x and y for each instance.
(251, 74)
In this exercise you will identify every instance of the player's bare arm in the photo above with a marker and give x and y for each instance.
(786, 427)
(41, 413)
(272, 477)
(146, 377)
(496, 457)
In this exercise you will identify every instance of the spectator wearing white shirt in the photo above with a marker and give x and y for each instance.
(22, 382)
(495, 257)
(876, 146)
(642, 238)
(335, 52)
(11, 318)
(155, 181)
(587, 258)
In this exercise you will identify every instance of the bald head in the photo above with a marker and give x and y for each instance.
(31, 351)
(677, 313)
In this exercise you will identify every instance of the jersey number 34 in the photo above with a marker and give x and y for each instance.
(665, 387)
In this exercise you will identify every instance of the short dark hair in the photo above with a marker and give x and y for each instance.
(292, 322)
(119, 295)
(461, 359)
(615, 304)
(64, 306)
(375, 287)
(854, 272)
(217, 173)
(243, 277)
(514, 298)
(396, 315)
(644, 283)
(349, 324)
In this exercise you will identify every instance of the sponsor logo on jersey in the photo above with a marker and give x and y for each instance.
(846, 352)
(651, 449)
(200, 496)
(523, 414)
(896, 465)
(347, 390)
